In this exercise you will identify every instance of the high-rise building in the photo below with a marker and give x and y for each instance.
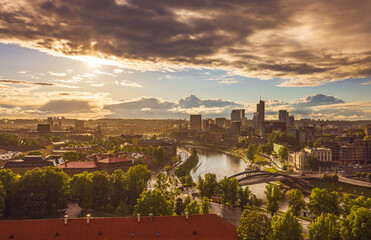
(43, 128)
(291, 122)
(260, 108)
(259, 115)
(205, 124)
(220, 122)
(283, 116)
(237, 114)
(196, 122)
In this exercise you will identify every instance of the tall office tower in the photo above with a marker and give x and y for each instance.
(196, 122)
(291, 121)
(220, 122)
(260, 108)
(237, 114)
(283, 116)
(205, 125)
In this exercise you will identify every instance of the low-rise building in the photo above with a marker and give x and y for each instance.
(21, 166)
(323, 155)
(299, 160)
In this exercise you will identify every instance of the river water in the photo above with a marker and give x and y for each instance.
(225, 165)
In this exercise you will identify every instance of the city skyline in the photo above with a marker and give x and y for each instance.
(132, 59)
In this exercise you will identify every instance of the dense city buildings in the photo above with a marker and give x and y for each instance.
(237, 115)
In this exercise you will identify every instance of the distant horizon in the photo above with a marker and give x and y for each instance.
(118, 59)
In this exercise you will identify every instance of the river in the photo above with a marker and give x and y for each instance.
(225, 165)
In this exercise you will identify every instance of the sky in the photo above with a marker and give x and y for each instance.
(92, 59)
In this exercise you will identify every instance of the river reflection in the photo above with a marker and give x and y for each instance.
(223, 165)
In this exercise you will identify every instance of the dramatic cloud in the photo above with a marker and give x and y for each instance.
(317, 99)
(303, 43)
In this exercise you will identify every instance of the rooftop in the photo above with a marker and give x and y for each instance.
(79, 164)
(115, 160)
(203, 227)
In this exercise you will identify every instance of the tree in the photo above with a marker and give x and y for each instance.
(100, 188)
(36, 152)
(137, 178)
(179, 206)
(30, 194)
(286, 227)
(296, 201)
(56, 187)
(357, 225)
(155, 202)
(119, 187)
(2, 198)
(205, 205)
(71, 156)
(325, 227)
(245, 196)
(251, 151)
(312, 163)
(81, 189)
(273, 195)
(207, 186)
(9, 181)
(349, 205)
(193, 208)
(162, 183)
(283, 153)
(229, 190)
(254, 226)
(321, 201)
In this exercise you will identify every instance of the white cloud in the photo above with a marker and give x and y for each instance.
(130, 84)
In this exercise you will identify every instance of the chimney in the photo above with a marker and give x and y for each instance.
(88, 218)
(151, 217)
(65, 163)
(186, 215)
(138, 217)
(65, 219)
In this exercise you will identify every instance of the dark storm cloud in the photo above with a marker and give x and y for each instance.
(305, 42)
(8, 81)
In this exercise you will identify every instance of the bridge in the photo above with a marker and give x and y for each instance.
(257, 176)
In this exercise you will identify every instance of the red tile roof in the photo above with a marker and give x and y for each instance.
(205, 227)
(115, 160)
(79, 164)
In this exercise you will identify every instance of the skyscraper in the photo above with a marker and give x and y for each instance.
(196, 122)
(237, 114)
(259, 115)
(283, 116)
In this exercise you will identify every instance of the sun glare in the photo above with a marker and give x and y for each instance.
(94, 62)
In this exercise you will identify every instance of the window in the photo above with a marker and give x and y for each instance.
(157, 234)
(132, 234)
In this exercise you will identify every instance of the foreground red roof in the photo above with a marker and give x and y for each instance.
(203, 227)
(79, 164)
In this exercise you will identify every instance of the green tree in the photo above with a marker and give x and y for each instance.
(205, 205)
(119, 187)
(357, 225)
(155, 202)
(286, 227)
(229, 190)
(283, 153)
(179, 206)
(208, 186)
(56, 188)
(100, 188)
(2, 198)
(161, 183)
(81, 189)
(192, 208)
(254, 226)
(321, 201)
(251, 151)
(137, 178)
(245, 197)
(30, 194)
(9, 181)
(36, 152)
(71, 156)
(313, 163)
(123, 209)
(296, 201)
(349, 204)
(325, 227)
(273, 196)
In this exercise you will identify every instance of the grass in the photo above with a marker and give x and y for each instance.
(188, 165)
(272, 170)
(341, 188)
